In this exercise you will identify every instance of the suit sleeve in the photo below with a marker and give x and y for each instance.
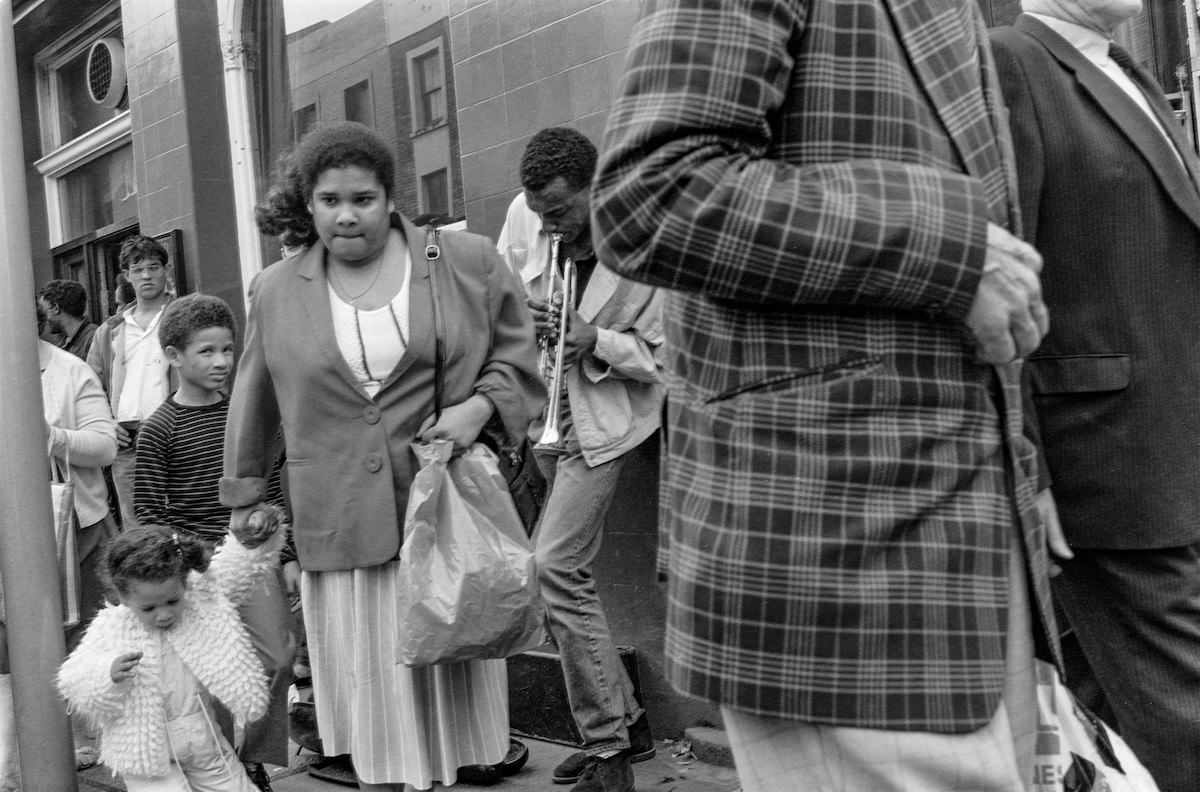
(689, 194)
(1023, 122)
(253, 426)
(1030, 150)
(510, 377)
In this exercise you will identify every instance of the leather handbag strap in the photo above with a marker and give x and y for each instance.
(433, 253)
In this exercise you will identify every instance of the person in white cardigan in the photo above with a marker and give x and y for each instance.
(81, 438)
(148, 668)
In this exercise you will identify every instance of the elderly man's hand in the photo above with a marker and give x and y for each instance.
(1008, 318)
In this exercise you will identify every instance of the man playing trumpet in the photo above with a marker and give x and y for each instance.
(610, 401)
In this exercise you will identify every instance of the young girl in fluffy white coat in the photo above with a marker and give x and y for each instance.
(148, 668)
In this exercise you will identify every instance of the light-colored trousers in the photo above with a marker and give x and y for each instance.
(202, 761)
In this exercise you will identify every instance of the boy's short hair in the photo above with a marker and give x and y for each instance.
(188, 315)
(70, 297)
(139, 248)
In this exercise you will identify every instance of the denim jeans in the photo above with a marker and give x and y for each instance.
(566, 542)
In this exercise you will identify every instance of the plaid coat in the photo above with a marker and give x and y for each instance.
(842, 478)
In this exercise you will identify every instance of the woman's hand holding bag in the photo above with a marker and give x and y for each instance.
(466, 567)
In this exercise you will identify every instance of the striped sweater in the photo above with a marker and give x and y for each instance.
(179, 461)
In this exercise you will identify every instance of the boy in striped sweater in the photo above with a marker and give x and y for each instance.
(180, 450)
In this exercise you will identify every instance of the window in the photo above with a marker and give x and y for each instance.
(429, 89)
(358, 103)
(77, 111)
(86, 131)
(98, 193)
(304, 119)
(435, 193)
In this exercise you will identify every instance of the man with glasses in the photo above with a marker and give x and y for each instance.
(129, 359)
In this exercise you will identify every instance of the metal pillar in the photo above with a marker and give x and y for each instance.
(241, 138)
(28, 562)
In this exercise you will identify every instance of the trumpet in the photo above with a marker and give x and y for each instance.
(562, 287)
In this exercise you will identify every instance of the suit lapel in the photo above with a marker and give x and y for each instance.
(420, 302)
(947, 67)
(314, 296)
(1166, 117)
(1127, 116)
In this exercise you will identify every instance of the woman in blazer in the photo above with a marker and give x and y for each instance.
(340, 353)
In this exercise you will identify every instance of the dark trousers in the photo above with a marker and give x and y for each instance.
(268, 620)
(90, 544)
(1136, 616)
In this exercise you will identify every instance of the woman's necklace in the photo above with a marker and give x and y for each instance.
(362, 347)
(354, 299)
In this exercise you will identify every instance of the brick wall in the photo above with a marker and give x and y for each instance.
(181, 140)
(520, 66)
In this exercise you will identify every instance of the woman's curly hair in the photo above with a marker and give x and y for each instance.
(284, 211)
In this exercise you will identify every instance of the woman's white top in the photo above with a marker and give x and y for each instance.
(372, 342)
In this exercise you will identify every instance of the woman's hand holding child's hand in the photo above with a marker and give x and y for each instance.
(253, 525)
(123, 667)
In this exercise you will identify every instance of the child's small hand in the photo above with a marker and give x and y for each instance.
(123, 666)
(253, 525)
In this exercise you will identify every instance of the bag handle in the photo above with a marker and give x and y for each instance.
(60, 472)
(433, 253)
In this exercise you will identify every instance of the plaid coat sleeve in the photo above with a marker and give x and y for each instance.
(814, 180)
(724, 183)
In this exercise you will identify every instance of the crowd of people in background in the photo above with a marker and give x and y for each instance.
(816, 256)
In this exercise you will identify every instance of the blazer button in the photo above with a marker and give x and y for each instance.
(371, 415)
(373, 463)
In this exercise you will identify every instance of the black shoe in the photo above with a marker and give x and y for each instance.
(258, 775)
(337, 769)
(613, 774)
(486, 775)
(641, 748)
(302, 726)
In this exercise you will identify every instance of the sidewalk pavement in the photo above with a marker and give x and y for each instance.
(666, 772)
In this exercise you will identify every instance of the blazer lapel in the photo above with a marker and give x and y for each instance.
(946, 66)
(420, 303)
(1141, 131)
(314, 296)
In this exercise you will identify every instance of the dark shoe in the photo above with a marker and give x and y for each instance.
(258, 775)
(485, 775)
(641, 748)
(337, 769)
(606, 775)
(302, 726)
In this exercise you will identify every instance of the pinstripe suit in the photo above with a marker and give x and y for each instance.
(1115, 210)
(842, 478)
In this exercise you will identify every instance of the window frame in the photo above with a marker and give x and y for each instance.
(316, 119)
(429, 52)
(365, 84)
(425, 202)
(63, 157)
